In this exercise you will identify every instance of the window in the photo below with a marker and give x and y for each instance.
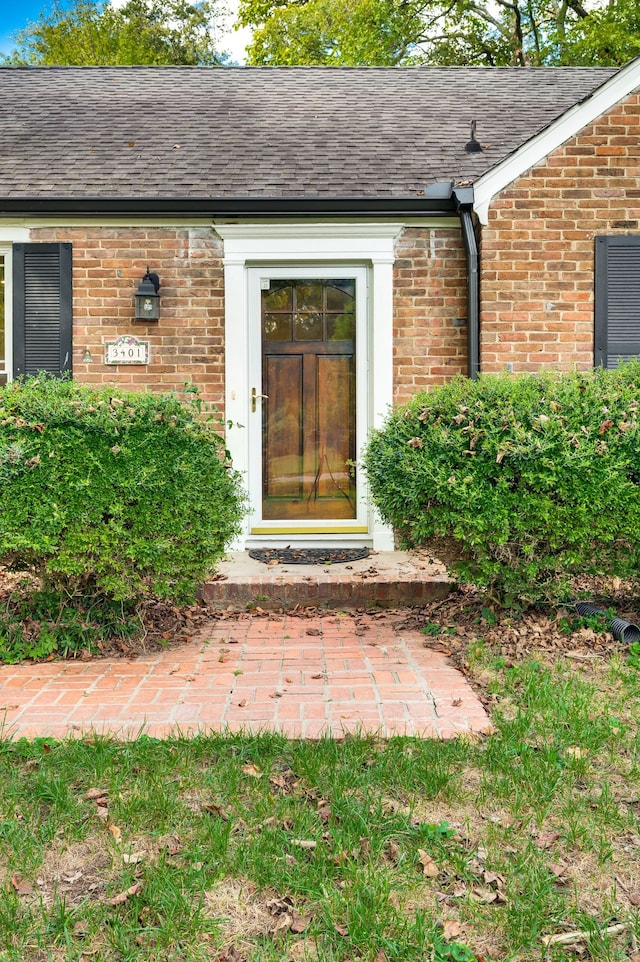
(617, 308)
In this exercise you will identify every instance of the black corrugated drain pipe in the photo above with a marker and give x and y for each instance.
(624, 631)
(464, 203)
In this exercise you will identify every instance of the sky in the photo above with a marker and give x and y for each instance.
(15, 14)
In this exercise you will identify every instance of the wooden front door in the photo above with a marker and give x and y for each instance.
(308, 333)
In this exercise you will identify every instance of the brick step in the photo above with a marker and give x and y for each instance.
(393, 579)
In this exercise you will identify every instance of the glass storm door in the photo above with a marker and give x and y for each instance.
(308, 398)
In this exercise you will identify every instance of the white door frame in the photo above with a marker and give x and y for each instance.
(360, 524)
(342, 246)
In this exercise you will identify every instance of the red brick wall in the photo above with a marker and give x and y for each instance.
(430, 307)
(537, 256)
(187, 343)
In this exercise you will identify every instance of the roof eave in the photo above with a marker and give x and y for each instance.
(159, 207)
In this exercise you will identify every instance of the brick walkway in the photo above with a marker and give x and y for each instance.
(303, 677)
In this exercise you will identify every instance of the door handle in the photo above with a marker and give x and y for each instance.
(254, 398)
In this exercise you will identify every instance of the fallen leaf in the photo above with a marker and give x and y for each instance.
(546, 839)
(132, 858)
(252, 770)
(341, 930)
(313, 631)
(115, 831)
(451, 929)
(574, 751)
(304, 843)
(122, 897)
(172, 845)
(21, 886)
(485, 895)
(559, 871)
(280, 781)
(283, 923)
(280, 906)
(429, 867)
(300, 923)
(393, 852)
(213, 809)
(95, 793)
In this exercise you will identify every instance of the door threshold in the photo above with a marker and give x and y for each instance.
(308, 541)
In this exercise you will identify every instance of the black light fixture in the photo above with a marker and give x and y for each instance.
(147, 298)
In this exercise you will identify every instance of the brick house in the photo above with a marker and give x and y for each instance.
(327, 242)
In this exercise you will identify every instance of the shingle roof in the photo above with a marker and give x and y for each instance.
(302, 132)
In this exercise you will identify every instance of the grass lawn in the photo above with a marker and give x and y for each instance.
(241, 849)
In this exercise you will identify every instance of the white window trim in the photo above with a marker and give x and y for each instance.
(6, 367)
(280, 244)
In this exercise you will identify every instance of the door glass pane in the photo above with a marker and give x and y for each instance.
(277, 327)
(279, 297)
(309, 295)
(341, 327)
(308, 327)
(308, 408)
(341, 295)
(3, 332)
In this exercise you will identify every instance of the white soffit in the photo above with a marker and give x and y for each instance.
(572, 121)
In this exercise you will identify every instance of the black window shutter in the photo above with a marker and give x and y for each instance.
(617, 313)
(42, 321)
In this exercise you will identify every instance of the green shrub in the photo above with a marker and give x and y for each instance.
(39, 623)
(525, 481)
(111, 495)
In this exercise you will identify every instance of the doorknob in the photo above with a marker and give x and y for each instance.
(254, 398)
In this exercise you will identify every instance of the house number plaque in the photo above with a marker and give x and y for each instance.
(127, 350)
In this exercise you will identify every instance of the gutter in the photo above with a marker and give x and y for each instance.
(419, 206)
(464, 202)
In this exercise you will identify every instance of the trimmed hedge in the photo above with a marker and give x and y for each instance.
(526, 481)
(110, 494)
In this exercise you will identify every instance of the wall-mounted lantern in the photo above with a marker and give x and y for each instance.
(148, 298)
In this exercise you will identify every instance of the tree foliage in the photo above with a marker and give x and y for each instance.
(92, 32)
(469, 32)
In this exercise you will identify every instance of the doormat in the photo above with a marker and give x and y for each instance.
(308, 556)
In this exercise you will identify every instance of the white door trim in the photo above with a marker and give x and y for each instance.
(313, 244)
(360, 524)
